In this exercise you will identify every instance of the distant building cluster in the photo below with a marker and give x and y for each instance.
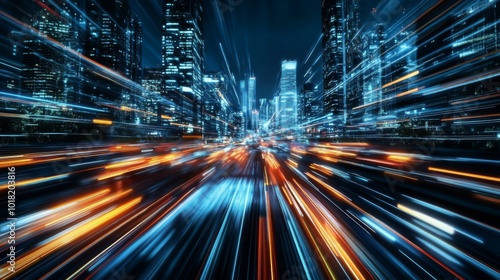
(289, 111)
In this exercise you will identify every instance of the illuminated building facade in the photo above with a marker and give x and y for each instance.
(373, 61)
(244, 102)
(152, 83)
(475, 33)
(275, 119)
(216, 111)
(248, 93)
(112, 38)
(264, 114)
(237, 130)
(341, 55)
(333, 44)
(252, 103)
(288, 96)
(43, 64)
(182, 62)
(305, 105)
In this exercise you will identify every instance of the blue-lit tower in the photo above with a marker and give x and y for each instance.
(252, 103)
(341, 55)
(182, 63)
(43, 63)
(288, 97)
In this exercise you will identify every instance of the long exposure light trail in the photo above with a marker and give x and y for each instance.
(279, 186)
(162, 139)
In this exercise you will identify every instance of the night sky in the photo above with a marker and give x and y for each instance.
(256, 36)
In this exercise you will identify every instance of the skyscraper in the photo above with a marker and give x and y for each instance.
(264, 116)
(475, 33)
(333, 42)
(244, 102)
(182, 62)
(134, 49)
(44, 64)
(288, 96)
(215, 107)
(152, 83)
(305, 105)
(341, 55)
(252, 102)
(275, 119)
(113, 38)
(373, 61)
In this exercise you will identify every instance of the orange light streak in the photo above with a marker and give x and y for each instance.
(465, 174)
(405, 77)
(34, 255)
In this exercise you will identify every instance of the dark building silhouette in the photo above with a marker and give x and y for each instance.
(113, 38)
(305, 101)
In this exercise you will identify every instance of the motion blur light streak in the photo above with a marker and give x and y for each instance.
(428, 219)
(495, 179)
(226, 181)
(406, 77)
(73, 234)
(233, 139)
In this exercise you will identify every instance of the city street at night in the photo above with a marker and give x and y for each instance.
(250, 139)
(237, 212)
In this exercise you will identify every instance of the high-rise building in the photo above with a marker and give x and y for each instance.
(211, 106)
(152, 83)
(315, 120)
(248, 95)
(401, 62)
(264, 116)
(216, 111)
(353, 58)
(305, 102)
(82, 52)
(11, 71)
(182, 62)
(252, 103)
(244, 102)
(288, 96)
(341, 55)
(333, 41)
(238, 125)
(435, 60)
(389, 68)
(112, 37)
(373, 62)
(475, 33)
(133, 70)
(43, 63)
(275, 119)
(133, 49)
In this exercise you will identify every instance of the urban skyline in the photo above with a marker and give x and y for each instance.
(242, 16)
(366, 69)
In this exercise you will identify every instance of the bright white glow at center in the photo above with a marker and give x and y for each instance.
(428, 219)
